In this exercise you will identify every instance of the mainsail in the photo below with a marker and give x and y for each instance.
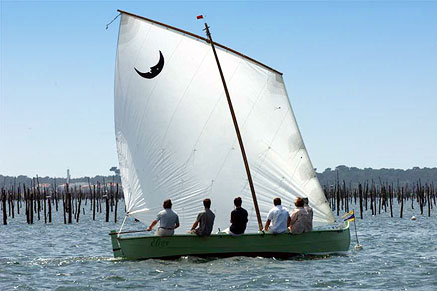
(175, 137)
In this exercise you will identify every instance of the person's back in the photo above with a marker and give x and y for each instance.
(299, 218)
(278, 216)
(168, 220)
(309, 218)
(238, 218)
(205, 220)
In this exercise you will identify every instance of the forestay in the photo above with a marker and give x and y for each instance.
(175, 136)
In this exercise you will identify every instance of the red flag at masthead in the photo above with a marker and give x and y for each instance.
(199, 16)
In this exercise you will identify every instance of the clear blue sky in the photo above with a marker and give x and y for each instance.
(362, 77)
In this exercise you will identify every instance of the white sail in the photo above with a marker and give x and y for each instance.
(175, 136)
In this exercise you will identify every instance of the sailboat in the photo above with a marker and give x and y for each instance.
(195, 119)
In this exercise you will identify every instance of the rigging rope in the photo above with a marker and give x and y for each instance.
(124, 220)
(107, 25)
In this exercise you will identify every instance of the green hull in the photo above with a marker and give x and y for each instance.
(222, 245)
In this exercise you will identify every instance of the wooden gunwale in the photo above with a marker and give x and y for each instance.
(124, 232)
(201, 38)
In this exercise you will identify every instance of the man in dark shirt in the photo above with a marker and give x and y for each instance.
(238, 218)
(205, 219)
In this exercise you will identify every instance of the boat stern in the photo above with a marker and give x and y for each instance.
(116, 248)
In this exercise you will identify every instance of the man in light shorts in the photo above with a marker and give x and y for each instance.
(168, 220)
(278, 218)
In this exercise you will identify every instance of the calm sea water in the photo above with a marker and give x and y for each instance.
(398, 254)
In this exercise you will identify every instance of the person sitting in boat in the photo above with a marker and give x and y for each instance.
(205, 220)
(238, 219)
(299, 218)
(309, 220)
(168, 220)
(278, 218)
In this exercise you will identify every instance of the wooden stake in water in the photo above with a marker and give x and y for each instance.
(94, 202)
(50, 208)
(64, 205)
(107, 208)
(360, 192)
(402, 202)
(116, 205)
(5, 219)
(45, 205)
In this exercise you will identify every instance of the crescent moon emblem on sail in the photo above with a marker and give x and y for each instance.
(155, 70)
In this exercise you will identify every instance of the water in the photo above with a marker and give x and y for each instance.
(398, 254)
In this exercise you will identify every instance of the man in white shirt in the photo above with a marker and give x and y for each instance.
(278, 217)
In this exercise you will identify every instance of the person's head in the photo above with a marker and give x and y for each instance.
(299, 202)
(305, 200)
(237, 202)
(167, 204)
(207, 203)
(277, 201)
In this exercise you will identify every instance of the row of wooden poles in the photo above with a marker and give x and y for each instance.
(38, 202)
(379, 197)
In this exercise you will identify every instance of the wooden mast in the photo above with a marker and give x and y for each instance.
(237, 130)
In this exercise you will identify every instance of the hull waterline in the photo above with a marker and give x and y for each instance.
(317, 242)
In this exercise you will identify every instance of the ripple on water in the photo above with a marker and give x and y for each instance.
(67, 260)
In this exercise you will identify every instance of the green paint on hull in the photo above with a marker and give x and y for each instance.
(217, 245)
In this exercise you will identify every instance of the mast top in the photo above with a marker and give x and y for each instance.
(201, 38)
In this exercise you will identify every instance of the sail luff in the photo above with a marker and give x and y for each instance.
(201, 38)
(237, 131)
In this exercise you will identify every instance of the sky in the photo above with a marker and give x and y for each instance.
(361, 76)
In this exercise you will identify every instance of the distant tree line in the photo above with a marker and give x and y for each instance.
(353, 175)
(6, 181)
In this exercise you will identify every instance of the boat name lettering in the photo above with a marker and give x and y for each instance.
(158, 243)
